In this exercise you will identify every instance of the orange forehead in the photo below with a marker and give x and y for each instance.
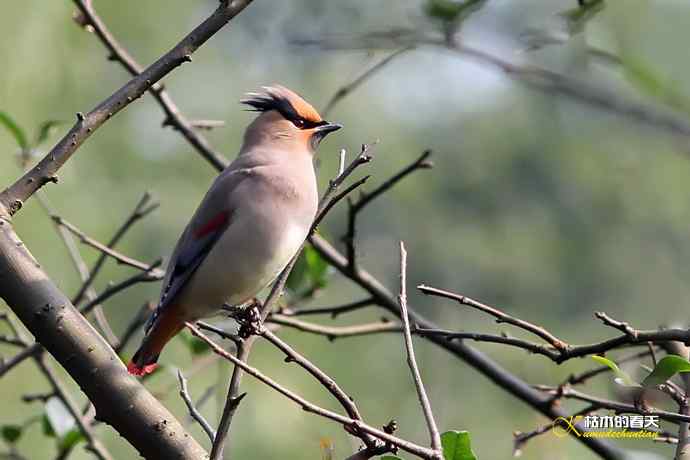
(286, 101)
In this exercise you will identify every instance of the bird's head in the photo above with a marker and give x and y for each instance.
(286, 120)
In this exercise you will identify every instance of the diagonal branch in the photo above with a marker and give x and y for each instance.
(196, 415)
(356, 207)
(310, 407)
(104, 249)
(501, 317)
(489, 368)
(344, 90)
(12, 198)
(141, 210)
(174, 117)
(411, 360)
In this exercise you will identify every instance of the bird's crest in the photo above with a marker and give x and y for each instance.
(285, 101)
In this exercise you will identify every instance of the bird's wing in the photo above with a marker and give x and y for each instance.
(207, 225)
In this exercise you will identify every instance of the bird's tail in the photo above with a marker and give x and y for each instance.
(164, 328)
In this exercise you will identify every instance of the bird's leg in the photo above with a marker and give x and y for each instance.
(248, 316)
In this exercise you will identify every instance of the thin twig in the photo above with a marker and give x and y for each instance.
(84, 238)
(344, 90)
(333, 311)
(173, 116)
(504, 379)
(333, 332)
(620, 407)
(12, 198)
(326, 381)
(81, 268)
(141, 210)
(196, 415)
(366, 198)
(501, 317)
(310, 407)
(412, 362)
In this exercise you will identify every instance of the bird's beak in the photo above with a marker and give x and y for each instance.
(327, 128)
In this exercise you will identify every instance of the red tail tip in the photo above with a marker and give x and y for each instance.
(134, 369)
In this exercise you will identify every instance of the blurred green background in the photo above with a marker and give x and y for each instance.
(547, 208)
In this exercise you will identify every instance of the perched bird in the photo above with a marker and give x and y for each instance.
(251, 222)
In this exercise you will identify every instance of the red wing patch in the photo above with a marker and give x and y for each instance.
(218, 221)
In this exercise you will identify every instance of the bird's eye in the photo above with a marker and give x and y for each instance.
(299, 123)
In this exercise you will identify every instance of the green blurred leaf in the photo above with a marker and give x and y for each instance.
(47, 427)
(11, 433)
(310, 270)
(646, 79)
(666, 368)
(623, 378)
(72, 438)
(45, 129)
(577, 17)
(450, 10)
(457, 446)
(196, 347)
(298, 274)
(17, 132)
(317, 267)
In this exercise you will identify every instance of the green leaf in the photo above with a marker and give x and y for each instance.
(577, 17)
(457, 446)
(623, 378)
(72, 438)
(310, 268)
(196, 347)
(666, 368)
(17, 132)
(45, 129)
(317, 266)
(47, 427)
(450, 10)
(11, 433)
(298, 274)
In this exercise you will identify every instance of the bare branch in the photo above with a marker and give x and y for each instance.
(12, 198)
(333, 311)
(501, 317)
(356, 207)
(412, 362)
(310, 407)
(496, 373)
(333, 332)
(94, 445)
(84, 238)
(141, 210)
(173, 116)
(344, 90)
(568, 393)
(196, 415)
(328, 383)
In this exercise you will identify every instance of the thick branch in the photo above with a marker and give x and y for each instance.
(12, 198)
(119, 399)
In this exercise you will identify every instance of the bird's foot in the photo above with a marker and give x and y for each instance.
(250, 321)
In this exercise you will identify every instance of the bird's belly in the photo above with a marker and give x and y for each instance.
(241, 264)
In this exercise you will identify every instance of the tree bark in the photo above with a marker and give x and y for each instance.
(120, 400)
